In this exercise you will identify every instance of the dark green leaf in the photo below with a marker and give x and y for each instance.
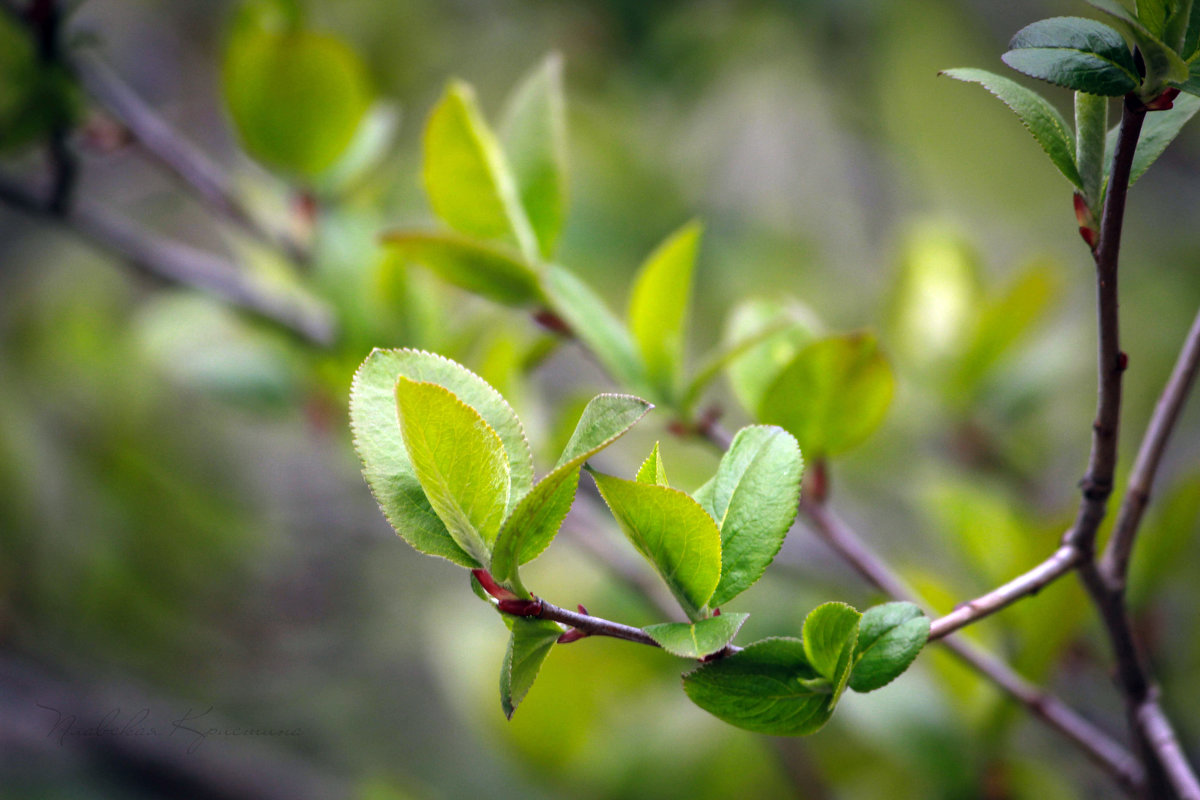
(534, 135)
(754, 498)
(832, 396)
(652, 470)
(1077, 53)
(1037, 115)
(658, 308)
(1159, 130)
(458, 460)
(487, 269)
(595, 325)
(467, 177)
(530, 643)
(1163, 64)
(889, 638)
(698, 639)
(830, 635)
(386, 465)
(535, 521)
(674, 534)
(769, 687)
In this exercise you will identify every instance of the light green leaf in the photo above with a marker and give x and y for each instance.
(1038, 116)
(481, 267)
(467, 177)
(1153, 14)
(658, 308)
(295, 97)
(652, 470)
(830, 635)
(536, 519)
(751, 373)
(1091, 126)
(673, 532)
(458, 460)
(386, 465)
(889, 638)
(534, 135)
(530, 643)
(769, 687)
(1077, 53)
(698, 639)
(1159, 130)
(832, 396)
(754, 498)
(595, 325)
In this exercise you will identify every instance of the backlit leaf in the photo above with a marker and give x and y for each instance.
(699, 638)
(830, 636)
(652, 470)
(483, 268)
(530, 643)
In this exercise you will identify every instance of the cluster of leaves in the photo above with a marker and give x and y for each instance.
(1095, 60)
(448, 462)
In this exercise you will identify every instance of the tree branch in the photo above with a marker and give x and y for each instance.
(187, 162)
(1115, 564)
(177, 263)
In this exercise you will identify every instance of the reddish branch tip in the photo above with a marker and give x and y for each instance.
(521, 608)
(552, 322)
(1164, 101)
(491, 587)
(573, 635)
(1122, 361)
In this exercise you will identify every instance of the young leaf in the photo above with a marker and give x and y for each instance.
(889, 638)
(652, 470)
(769, 687)
(698, 639)
(468, 180)
(535, 521)
(386, 465)
(481, 267)
(534, 134)
(1037, 115)
(754, 499)
(596, 326)
(458, 460)
(830, 635)
(528, 647)
(673, 532)
(833, 394)
(751, 373)
(658, 307)
(1077, 53)
(1091, 126)
(1158, 131)
(296, 98)
(1163, 64)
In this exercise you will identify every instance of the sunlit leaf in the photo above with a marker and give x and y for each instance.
(697, 639)
(752, 371)
(652, 470)
(830, 636)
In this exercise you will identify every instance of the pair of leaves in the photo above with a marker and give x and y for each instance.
(790, 687)
(504, 193)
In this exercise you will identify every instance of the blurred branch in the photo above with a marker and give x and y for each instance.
(1115, 564)
(177, 263)
(195, 169)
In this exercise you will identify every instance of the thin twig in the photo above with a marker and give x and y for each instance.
(1162, 737)
(1115, 564)
(593, 626)
(186, 161)
(174, 262)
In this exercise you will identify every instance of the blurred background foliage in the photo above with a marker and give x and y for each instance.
(183, 523)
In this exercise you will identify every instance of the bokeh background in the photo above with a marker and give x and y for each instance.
(183, 525)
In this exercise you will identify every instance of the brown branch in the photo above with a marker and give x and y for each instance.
(1115, 564)
(592, 626)
(167, 260)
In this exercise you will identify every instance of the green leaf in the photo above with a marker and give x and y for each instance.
(754, 498)
(698, 639)
(486, 269)
(830, 635)
(530, 643)
(1153, 14)
(658, 308)
(1163, 64)
(1038, 116)
(674, 534)
(725, 355)
(296, 97)
(1159, 130)
(751, 373)
(386, 465)
(595, 325)
(534, 135)
(889, 638)
(1077, 53)
(1091, 126)
(535, 521)
(35, 97)
(1191, 36)
(769, 687)
(652, 470)
(832, 396)
(467, 177)
(458, 460)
